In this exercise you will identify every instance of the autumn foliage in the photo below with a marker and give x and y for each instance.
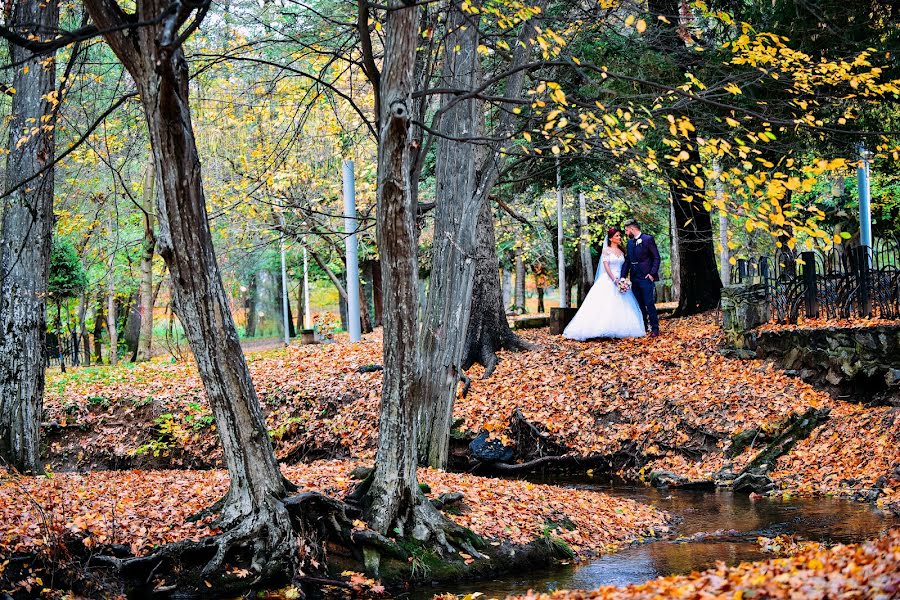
(142, 509)
(673, 403)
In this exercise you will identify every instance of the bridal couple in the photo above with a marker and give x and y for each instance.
(616, 306)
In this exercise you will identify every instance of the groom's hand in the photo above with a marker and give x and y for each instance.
(650, 277)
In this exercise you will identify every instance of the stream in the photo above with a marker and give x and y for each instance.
(720, 526)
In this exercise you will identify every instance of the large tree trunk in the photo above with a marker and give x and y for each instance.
(451, 309)
(148, 247)
(448, 300)
(488, 329)
(394, 493)
(393, 501)
(252, 512)
(25, 244)
(700, 284)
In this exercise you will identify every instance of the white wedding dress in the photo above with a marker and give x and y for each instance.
(606, 312)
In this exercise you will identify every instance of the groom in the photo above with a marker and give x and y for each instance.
(642, 263)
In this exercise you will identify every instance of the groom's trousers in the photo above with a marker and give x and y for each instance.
(645, 293)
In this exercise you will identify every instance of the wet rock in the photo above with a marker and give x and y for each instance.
(754, 480)
(489, 451)
(662, 479)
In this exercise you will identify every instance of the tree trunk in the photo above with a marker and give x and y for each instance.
(520, 283)
(252, 309)
(364, 318)
(111, 316)
(83, 337)
(394, 503)
(448, 300)
(488, 329)
(131, 331)
(148, 247)
(252, 512)
(674, 254)
(507, 285)
(700, 283)
(25, 240)
(540, 295)
(377, 294)
(584, 250)
(98, 330)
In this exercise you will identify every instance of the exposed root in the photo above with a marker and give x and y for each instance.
(267, 530)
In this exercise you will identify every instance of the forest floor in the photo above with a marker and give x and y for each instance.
(134, 450)
(672, 404)
(142, 509)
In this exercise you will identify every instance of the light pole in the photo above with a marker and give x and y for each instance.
(865, 198)
(353, 319)
(563, 299)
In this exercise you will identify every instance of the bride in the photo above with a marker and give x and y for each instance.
(606, 311)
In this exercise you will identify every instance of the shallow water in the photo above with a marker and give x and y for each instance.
(716, 525)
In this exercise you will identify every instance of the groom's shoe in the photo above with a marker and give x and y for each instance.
(654, 334)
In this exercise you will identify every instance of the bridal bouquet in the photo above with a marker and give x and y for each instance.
(624, 285)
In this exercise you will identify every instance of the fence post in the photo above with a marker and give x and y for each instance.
(865, 281)
(764, 268)
(809, 284)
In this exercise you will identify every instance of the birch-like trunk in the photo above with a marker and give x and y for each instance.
(25, 240)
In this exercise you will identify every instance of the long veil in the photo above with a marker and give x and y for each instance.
(602, 254)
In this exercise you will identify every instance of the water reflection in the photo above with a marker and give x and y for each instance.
(716, 525)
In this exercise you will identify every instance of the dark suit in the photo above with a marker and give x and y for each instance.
(642, 259)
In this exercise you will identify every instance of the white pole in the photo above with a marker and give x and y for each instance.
(865, 195)
(307, 311)
(584, 244)
(284, 287)
(353, 319)
(563, 300)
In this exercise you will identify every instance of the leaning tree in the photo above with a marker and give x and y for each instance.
(149, 42)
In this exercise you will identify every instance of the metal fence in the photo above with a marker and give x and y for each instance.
(841, 282)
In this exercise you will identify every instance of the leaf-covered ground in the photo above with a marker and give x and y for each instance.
(673, 401)
(145, 508)
(870, 571)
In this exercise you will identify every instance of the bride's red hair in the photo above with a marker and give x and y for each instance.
(611, 232)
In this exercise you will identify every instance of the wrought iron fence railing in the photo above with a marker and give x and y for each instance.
(838, 283)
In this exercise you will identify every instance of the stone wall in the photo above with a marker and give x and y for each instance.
(861, 364)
